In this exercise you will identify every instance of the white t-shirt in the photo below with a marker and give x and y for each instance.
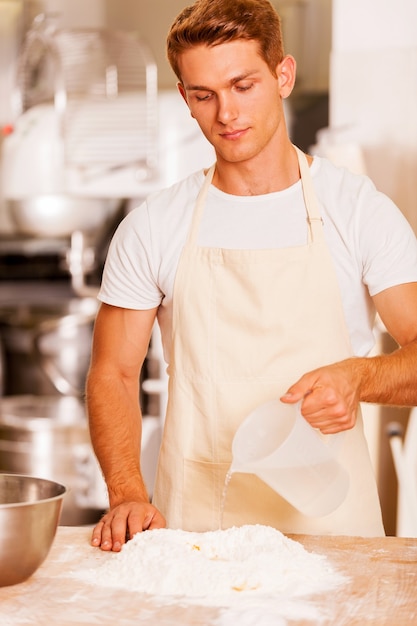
(372, 245)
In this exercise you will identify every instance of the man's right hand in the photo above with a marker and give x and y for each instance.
(122, 522)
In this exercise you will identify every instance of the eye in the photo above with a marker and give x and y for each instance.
(243, 86)
(202, 97)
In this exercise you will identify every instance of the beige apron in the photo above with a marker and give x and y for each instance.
(246, 325)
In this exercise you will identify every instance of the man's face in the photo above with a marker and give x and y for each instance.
(234, 97)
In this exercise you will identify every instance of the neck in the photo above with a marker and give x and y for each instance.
(260, 175)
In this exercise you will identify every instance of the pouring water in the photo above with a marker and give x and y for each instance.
(277, 444)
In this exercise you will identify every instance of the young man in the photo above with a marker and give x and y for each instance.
(265, 274)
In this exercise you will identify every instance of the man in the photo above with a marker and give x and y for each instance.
(265, 274)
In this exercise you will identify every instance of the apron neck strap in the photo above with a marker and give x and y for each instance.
(314, 219)
(199, 207)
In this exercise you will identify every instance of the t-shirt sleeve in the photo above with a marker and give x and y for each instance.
(129, 276)
(387, 242)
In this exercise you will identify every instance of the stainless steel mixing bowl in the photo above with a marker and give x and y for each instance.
(29, 515)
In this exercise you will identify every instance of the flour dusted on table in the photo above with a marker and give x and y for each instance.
(215, 568)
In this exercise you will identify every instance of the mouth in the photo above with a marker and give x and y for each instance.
(233, 135)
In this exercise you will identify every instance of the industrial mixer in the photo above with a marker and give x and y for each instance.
(91, 138)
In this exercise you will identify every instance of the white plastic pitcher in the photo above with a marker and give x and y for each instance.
(277, 444)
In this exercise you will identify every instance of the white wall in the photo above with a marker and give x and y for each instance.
(371, 24)
(373, 90)
(373, 98)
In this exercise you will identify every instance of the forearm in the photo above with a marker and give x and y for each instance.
(115, 422)
(330, 394)
(389, 379)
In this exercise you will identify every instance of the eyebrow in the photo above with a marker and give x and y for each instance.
(232, 81)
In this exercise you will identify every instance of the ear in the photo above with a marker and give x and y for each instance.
(182, 91)
(286, 72)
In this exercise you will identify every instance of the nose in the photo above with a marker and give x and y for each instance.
(227, 108)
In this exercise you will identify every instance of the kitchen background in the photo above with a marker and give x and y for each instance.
(355, 102)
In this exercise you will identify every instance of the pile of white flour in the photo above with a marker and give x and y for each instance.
(216, 568)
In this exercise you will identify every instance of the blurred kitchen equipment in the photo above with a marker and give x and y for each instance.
(1, 368)
(91, 134)
(48, 437)
(89, 97)
(59, 215)
(47, 345)
(29, 514)
(80, 259)
(277, 444)
(45, 335)
(90, 140)
(86, 107)
(403, 448)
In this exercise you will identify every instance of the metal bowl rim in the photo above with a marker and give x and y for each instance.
(59, 496)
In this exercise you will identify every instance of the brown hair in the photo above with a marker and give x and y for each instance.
(213, 22)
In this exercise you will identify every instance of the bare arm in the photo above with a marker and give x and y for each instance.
(120, 344)
(332, 393)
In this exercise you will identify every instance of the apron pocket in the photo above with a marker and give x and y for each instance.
(202, 495)
(208, 505)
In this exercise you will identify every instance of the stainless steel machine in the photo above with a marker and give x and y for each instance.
(91, 138)
(85, 103)
(86, 106)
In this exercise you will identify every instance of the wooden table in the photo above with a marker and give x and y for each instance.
(382, 590)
